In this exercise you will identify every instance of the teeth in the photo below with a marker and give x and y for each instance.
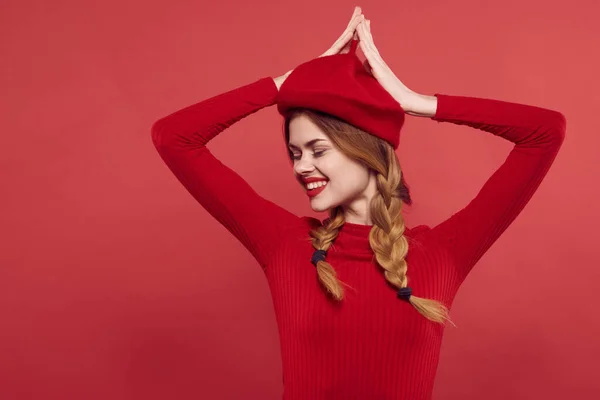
(314, 185)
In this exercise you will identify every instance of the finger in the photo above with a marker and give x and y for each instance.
(338, 45)
(345, 37)
(351, 28)
(373, 43)
(357, 11)
(370, 35)
(364, 39)
(346, 47)
(367, 45)
(369, 38)
(376, 67)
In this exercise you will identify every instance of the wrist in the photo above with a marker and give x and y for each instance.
(421, 105)
(280, 79)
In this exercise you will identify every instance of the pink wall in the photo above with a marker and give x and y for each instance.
(115, 284)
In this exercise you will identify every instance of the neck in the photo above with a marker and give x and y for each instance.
(358, 211)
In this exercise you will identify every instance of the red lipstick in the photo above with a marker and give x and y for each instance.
(314, 192)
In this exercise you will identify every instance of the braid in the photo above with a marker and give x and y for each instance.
(388, 241)
(322, 239)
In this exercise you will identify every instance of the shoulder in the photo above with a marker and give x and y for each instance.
(418, 230)
(416, 235)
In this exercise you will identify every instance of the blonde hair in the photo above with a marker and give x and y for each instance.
(386, 237)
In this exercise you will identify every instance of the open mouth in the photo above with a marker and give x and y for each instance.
(313, 189)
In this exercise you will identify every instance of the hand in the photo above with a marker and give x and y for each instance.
(408, 99)
(341, 45)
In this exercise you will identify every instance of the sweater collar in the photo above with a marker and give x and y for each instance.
(354, 238)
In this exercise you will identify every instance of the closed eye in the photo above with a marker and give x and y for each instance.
(315, 154)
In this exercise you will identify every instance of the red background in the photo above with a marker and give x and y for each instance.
(116, 284)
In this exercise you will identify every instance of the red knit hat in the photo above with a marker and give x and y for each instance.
(341, 86)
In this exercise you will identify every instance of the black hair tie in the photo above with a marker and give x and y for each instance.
(318, 255)
(405, 293)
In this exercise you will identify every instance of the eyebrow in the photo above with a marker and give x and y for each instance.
(310, 143)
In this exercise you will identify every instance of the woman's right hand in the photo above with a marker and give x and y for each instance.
(342, 45)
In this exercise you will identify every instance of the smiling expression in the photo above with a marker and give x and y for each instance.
(317, 161)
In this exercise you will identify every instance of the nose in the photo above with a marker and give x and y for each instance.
(303, 166)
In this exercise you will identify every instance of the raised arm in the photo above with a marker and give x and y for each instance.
(181, 137)
(537, 134)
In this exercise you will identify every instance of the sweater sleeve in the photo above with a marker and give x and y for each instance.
(181, 137)
(537, 134)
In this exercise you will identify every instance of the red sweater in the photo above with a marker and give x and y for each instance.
(372, 345)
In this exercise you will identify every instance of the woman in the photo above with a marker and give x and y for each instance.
(342, 123)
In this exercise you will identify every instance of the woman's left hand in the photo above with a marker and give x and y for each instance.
(408, 99)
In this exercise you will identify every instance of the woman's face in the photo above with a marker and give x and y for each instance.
(349, 183)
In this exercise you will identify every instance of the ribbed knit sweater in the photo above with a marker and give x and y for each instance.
(371, 345)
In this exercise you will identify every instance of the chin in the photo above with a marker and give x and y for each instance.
(319, 206)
